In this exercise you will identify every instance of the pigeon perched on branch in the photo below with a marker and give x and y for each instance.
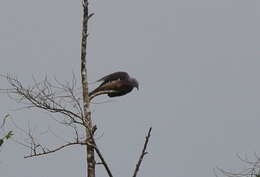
(115, 84)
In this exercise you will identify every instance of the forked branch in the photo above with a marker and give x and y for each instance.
(45, 151)
(58, 98)
(253, 169)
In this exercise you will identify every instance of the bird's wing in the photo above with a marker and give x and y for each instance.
(114, 76)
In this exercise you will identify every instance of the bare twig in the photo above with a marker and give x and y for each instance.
(104, 163)
(252, 171)
(47, 151)
(44, 95)
(59, 98)
(143, 152)
(94, 145)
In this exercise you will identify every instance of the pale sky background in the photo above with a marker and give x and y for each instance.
(197, 62)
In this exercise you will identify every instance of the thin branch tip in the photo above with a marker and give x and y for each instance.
(144, 152)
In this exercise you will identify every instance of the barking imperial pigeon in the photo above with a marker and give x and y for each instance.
(115, 84)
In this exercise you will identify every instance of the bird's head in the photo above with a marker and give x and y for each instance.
(135, 83)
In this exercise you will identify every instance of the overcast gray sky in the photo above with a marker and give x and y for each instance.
(197, 62)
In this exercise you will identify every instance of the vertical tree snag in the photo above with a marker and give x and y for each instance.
(86, 109)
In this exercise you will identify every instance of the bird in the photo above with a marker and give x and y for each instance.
(115, 84)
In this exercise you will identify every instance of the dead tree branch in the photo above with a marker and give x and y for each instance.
(94, 145)
(46, 96)
(38, 149)
(144, 152)
(104, 163)
(59, 98)
(48, 151)
(252, 171)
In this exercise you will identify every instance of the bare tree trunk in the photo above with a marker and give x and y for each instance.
(86, 109)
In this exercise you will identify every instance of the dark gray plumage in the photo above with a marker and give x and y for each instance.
(115, 84)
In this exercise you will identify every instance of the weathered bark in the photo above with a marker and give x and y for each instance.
(86, 109)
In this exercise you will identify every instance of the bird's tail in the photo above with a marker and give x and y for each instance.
(99, 91)
(92, 94)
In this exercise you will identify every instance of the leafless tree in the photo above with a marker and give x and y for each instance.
(252, 169)
(71, 102)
